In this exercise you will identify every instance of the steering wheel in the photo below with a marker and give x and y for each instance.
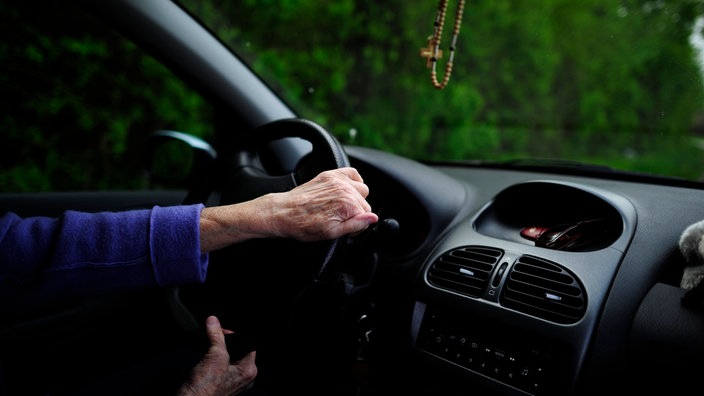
(262, 288)
(249, 174)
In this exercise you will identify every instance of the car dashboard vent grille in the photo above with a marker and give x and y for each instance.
(544, 289)
(465, 270)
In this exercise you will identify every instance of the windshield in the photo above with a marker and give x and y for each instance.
(603, 82)
(610, 83)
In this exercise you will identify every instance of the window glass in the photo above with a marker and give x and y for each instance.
(602, 82)
(78, 102)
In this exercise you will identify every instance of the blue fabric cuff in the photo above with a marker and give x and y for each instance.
(174, 241)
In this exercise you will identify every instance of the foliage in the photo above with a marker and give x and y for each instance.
(57, 117)
(593, 80)
(530, 79)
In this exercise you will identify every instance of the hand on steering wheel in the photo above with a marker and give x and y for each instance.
(246, 177)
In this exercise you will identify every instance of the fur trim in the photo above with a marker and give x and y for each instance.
(692, 247)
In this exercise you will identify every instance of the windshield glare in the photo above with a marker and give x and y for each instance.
(611, 83)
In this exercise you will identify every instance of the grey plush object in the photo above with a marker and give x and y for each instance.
(692, 247)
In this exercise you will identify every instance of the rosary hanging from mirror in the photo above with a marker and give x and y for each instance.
(432, 53)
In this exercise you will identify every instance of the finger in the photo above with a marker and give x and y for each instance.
(351, 173)
(364, 207)
(358, 223)
(361, 187)
(248, 359)
(360, 197)
(214, 331)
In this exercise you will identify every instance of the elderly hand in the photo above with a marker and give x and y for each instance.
(215, 375)
(331, 205)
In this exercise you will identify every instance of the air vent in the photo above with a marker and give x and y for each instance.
(465, 270)
(544, 289)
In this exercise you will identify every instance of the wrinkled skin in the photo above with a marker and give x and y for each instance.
(215, 375)
(331, 205)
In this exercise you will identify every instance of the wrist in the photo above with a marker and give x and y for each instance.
(225, 225)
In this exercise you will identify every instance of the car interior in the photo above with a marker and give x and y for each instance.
(480, 278)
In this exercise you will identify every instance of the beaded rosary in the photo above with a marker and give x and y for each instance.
(432, 53)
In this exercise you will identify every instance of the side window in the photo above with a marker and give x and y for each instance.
(79, 100)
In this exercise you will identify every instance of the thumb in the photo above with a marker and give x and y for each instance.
(214, 331)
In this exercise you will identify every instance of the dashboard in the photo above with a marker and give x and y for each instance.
(491, 307)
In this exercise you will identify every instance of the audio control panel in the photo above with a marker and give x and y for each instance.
(497, 352)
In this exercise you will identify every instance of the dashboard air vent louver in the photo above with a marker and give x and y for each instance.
(465, 270)
(544, 289)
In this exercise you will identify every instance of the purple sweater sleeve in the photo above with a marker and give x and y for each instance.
(82, 255)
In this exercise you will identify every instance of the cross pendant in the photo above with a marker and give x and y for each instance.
(428, 52)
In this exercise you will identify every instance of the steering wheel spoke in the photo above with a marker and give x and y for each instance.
(250, 182)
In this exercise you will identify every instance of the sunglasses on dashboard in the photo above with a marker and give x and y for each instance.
(568, 236)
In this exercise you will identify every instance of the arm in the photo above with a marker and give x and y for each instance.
(331, 205)
(87, 254)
